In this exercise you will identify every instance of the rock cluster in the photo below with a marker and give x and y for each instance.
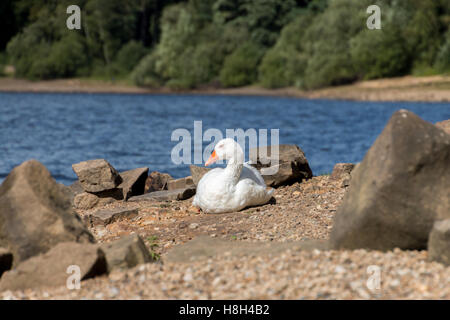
(102, 184)
(43, 240)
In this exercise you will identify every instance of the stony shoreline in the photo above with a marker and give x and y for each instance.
(288, 273)
(408, 88)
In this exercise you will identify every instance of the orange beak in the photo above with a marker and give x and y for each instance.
(213, 158)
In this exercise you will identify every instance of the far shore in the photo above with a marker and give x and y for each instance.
(408, 88)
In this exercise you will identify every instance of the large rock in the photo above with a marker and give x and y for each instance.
(126, 252)
(197, 173)
(439, 242)
(96, 175)
(398, 190)
(133, 182)
(182, 183)
(6, 260)
(444, 125)
(51, 268)
(157, 181)
(291, 166)
(35, 214)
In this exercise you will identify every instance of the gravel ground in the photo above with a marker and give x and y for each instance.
(302, 211)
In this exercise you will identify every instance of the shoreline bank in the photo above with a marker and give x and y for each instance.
(408, 88)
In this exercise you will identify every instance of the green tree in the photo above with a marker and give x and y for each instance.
(284, 64)
(240, 67)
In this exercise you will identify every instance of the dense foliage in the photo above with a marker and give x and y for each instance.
(188, 43)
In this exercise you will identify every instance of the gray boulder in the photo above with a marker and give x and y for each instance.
(439, 242)
(96, 175)
(292, 164)
(126, 252)
(35, 214)
(51, 268)
(398, 190)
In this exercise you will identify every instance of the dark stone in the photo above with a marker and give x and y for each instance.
(156, 181)
(133, 182)
(292, 164)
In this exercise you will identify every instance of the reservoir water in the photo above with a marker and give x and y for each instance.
(133, 131)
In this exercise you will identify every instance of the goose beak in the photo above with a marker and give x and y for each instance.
(213, 158)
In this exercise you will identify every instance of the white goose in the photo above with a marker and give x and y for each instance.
(237, 186)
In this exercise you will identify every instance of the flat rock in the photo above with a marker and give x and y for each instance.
(439, 242)
(96, 175)
(35, 214)
(156, 181)
(178, 194)
(399, 189)
(133, 182)
(126, 252)
(51, 268)
(197, 173)
(205, 247)
(106, 216)
(291, 166)
(444, 125)
(182, 183)
(6, 260)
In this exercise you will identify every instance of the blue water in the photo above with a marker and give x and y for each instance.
(132, 131)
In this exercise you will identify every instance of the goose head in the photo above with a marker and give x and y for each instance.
(227, 149)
